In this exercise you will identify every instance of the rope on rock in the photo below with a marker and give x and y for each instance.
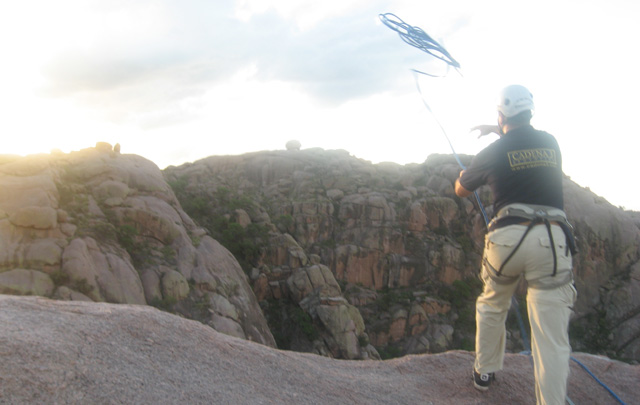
(613, 394)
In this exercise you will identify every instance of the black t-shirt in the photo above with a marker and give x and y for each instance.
(523, 166)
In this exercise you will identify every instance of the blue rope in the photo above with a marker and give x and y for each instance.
(417, 38)
(475, 193)
(613, 394)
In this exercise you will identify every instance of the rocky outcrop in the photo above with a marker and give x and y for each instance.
(367, 224)
(317, 292)
(101, 226)
(26, 282)
(607, 274)
(403, 248)
(382, 231)
(56, 352)
(312, 250)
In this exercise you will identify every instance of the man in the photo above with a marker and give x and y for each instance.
(528, 237)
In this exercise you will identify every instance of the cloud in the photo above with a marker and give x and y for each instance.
(135, 44)
(341, 57)
(150, 59)
(144, 62)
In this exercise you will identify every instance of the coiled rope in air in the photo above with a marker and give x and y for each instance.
(419, 39)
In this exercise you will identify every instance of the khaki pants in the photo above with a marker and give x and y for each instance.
(549, 306)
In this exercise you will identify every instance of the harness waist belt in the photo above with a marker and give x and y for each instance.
(532, 215)
(525, 214)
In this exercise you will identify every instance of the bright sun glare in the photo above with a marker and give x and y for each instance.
(142, 79)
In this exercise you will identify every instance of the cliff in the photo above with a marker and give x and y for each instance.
(387, 256)
(57, 352)
(307, 250)
(96, 225)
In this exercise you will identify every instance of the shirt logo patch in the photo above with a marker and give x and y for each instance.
(530, 158)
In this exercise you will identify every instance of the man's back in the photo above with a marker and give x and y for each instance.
(523, 166)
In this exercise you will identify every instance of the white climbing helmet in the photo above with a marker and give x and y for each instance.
(515, 99)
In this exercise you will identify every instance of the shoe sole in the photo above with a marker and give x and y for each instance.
(480, 387)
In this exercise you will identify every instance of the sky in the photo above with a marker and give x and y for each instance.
(179, 80)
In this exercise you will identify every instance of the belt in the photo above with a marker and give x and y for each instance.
(526, 223)
(506, 221)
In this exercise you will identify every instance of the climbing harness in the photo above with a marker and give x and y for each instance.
(418, 38)
(532, 215)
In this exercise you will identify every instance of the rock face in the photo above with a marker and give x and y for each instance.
(403, 249)
(310, 250)
(61, 352)
(97, 225)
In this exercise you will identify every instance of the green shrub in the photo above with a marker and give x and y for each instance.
(462, 295)
(285, 222)
(214, 212)
(363, 340)
(126, 236)
(388, 297)
(59, 278)
(82, 286)
(179, 185)
(305, 323)
(286, 321)
(202, 304)
(196, 207)
(223, 194)
(467, 344)
(465, 243)
(442, 230)
(138, 249)
(164, 304)
(461, 292)
(241, 202)
(244, 243)
(389, 352)
(328, 243)
(592, 331)
(168, 253)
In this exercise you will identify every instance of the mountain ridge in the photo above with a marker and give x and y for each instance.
(308, 250)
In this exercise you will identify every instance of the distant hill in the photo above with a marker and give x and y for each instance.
(404, 250)
(306, 250)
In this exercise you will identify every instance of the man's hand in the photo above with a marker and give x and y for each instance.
(486, 130)
(459, 190)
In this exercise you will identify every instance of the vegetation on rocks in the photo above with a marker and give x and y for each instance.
(95, 225)
(403, 248)
(312, 250)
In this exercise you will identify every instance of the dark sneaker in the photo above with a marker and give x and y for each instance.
(482, 381)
